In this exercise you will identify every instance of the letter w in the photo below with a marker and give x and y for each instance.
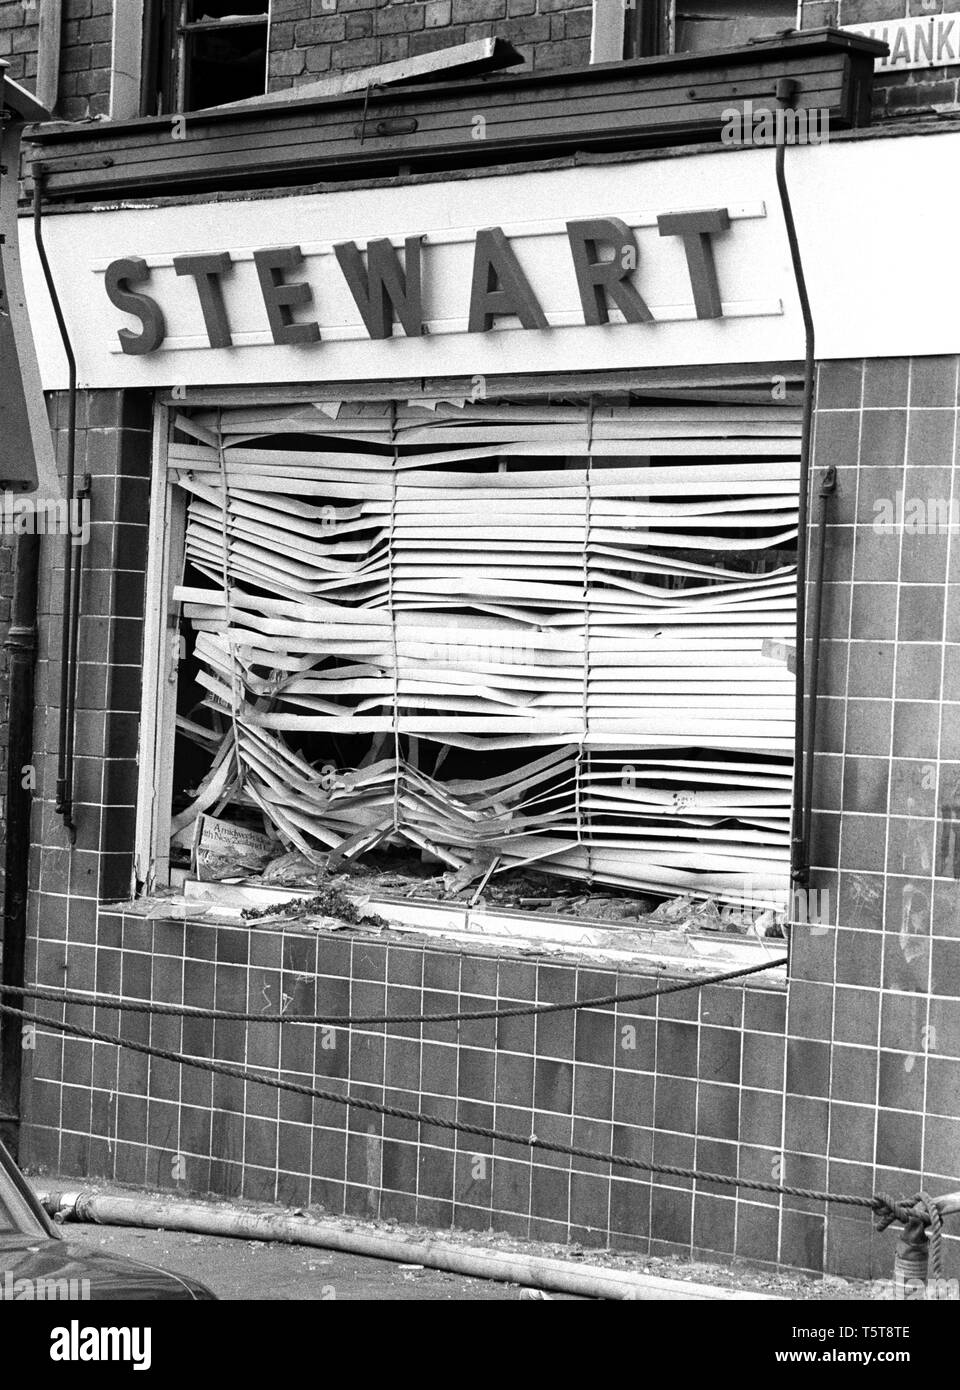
(383, 288)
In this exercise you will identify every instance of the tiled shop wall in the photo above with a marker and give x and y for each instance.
(312, 37)
(873, 1052)
(697, 1082)
(8, 560)
(676, 1086)
(7, 551)
(868, 1059)
(113, 447)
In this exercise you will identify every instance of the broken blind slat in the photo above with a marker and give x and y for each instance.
(674, 679)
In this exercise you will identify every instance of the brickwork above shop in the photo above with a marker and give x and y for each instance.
(310, 39)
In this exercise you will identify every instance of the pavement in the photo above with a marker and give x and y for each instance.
(254, 1270)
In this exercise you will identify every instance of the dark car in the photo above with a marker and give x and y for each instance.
(37, 1263)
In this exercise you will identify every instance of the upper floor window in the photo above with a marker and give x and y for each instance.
(199, 53)
(643, 28)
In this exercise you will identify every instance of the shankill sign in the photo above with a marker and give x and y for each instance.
(388, 292)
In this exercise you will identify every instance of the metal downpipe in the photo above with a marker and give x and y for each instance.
(803, 731)
(20, 646)
(64, 791)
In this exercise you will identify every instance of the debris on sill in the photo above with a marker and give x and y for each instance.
(341, 891)
(331, 901)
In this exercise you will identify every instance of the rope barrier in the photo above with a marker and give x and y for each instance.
(880, 1204)
(96, 1001)
(919, 1211)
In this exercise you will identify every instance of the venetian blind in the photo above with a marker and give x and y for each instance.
(593, 601)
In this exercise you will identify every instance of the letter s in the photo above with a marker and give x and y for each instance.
(118, 278)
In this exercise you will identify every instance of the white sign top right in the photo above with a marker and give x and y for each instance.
(930, 41)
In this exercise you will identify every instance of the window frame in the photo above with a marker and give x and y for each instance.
(140, 70)
(161, 652)
(504, 929)
(649, 28)
(638, 29)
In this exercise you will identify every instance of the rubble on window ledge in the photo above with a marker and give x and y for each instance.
(341, 892)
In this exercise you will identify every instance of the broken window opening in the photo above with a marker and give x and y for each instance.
(534, 650)
(652, 27)
(202, 53)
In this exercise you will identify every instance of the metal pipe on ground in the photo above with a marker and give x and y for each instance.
(509, 1267)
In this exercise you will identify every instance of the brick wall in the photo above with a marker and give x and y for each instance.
(85, 59)
(896, 93)
(312, 37)
(85, 55)
(18, 40)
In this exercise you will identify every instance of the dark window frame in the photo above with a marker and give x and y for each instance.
(169, 31)
(650, 28)
(646, 27)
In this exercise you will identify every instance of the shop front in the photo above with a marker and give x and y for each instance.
(444, 564)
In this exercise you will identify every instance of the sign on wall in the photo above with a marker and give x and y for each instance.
(658, 262)
(606, 267)
(928, 41)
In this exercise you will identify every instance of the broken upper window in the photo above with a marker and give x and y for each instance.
(701, 26)
(200, 53)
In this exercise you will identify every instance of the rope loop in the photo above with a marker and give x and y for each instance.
(890, 1209)
(920, 1212)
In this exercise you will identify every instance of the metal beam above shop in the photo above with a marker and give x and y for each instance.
(473, 122)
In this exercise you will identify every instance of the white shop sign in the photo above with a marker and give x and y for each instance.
(758, 316)
(927, 41)
(861, 207)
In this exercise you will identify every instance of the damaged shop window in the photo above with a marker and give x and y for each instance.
(512, 655)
